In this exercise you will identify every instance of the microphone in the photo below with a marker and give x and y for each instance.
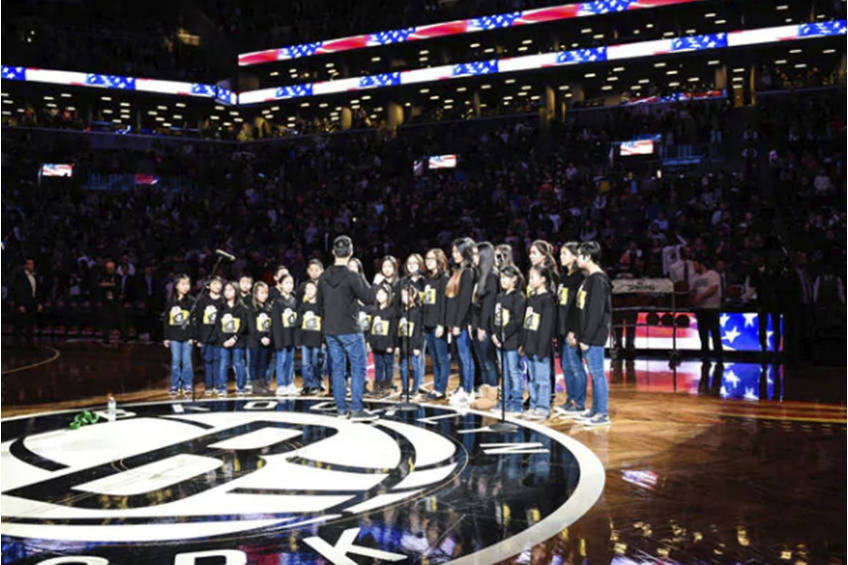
(225, 255)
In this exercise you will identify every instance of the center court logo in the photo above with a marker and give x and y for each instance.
(258, 471)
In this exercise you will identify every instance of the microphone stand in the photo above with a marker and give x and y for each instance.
(502, 425)
(407, 405)
(191, 316)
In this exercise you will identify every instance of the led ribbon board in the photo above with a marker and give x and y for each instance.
(657, 47)
(117, 82)
(456, 27)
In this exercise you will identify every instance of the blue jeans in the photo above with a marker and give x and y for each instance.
(285, 366)
(513, 380)
(485, 351)
(309, 366)
(258, 362)
(600, 388)
(540, 382)
(466, 361)
(340, 348)
(415, 361)
(575, 375)
(181, 364)
(272, 364)
(234, 356)
(383, 367)
(438, 348)
(212, 361)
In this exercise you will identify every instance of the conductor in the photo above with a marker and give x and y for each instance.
(339, 288)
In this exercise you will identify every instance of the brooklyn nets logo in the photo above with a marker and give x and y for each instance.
(244, 481)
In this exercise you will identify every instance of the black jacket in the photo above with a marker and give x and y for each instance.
(21, 290)
(284, 322)
(339, 288)
(259, 324)
(509, 313)
(311, 324)
(207, 310)
(410, 326)
(567, 314)
(594, 304)
(433, 302)
(232, 322)
(176, 314)
(483, 307)
(383, 333)
(539, 326)
(458, 308)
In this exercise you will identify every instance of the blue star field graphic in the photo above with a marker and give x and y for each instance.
(590, 55)
(391, 36)
(204, 89)
(110, 81)
(382, 79)
(494, 22)
(605, 6)
(740, 331)
(13, 73)
(699, 42)
(836, 27)
(294, 91)
(475, 68)
(302, 50)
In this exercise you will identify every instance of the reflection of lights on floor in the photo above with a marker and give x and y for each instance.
(641, 478)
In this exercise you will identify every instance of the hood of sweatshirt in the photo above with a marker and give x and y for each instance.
(336, 275)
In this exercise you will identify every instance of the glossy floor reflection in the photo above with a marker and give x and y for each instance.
(716, 463)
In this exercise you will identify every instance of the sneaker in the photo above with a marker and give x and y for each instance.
(343, 415)
(435, 395)
(282, 390)
(458, 397)
(222, 392)
(363, 416)
(597, 421)
(248, 388)
(209, 392)
(513, 414)
(186, 392)
(241, 392)
(173, 392)
(586, 415)
(293, 390)
(569, 411)
(537, 415)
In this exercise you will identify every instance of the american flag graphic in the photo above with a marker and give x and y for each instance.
(604, 7)
(638, 147)
(203, 89)
(57, 170)
(293, 91)
(145, 179)
(224, 95)
(739, 332)
(383, 79)
(110, 81)
(13, 73)
(442, 162)
(298, 51)
(699, 42)
(493, 22)
(836, 27)
(581, 56)
(475, 68)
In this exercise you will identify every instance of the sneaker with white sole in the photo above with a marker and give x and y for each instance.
(458, 397)
(221, 392)
(173, 392)
(363, 416)
(537, 415)
(597, 421)
(569, 411)
(585, 415)
(281, 390)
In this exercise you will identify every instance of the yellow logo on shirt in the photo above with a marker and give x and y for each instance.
(428, 295)
(405, 328)
(379, 326)
(263, 322)
(311, 322)
(563, 295)
(532, 320)
(230, 324)
(177, 316)
(501, 315)
(210, 314)
(289, 317)
(581, 298)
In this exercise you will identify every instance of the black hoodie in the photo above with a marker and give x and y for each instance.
(284, 322)
(483, 305)
(410, 326)
(382, 335)
(259, 324)
(509, 312)
(232, 322)
(207, 310)
(458, 308)
(539, 326)
(594, 305)
(338, 290)
(568, 317)
(433, 302)
(312, 324)
(176, 314)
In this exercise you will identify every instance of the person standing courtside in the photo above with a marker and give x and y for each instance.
(25, 294)
(339, 290)
(706, 300)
